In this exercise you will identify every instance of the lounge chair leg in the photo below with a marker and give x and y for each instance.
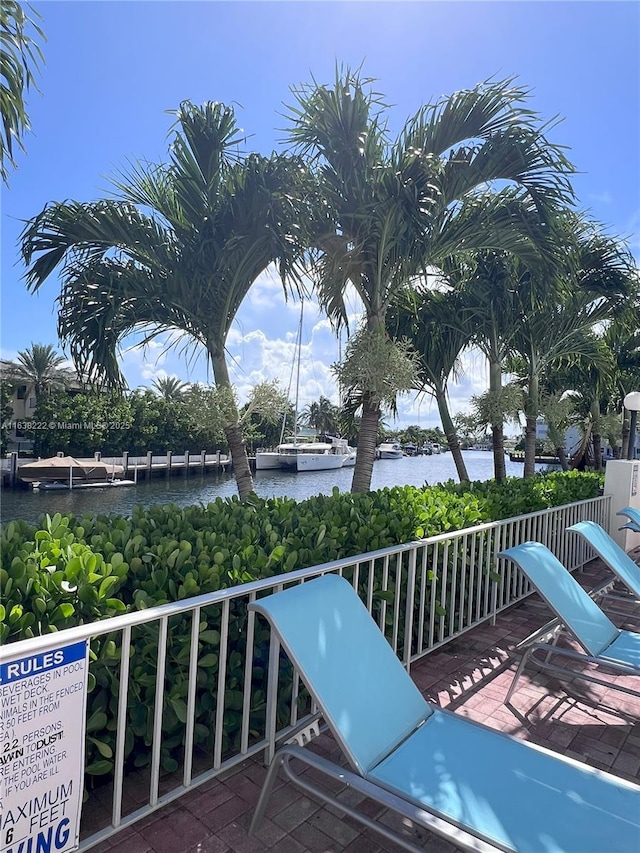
(554, 642)
(265, 793)
(521, 667)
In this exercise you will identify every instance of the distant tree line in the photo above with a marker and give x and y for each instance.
(171, 415)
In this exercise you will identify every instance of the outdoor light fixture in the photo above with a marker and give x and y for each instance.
(632, 404)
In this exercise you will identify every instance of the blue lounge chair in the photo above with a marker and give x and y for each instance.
(604, 644)
(634, 518)
(620, 563)
(482, 789)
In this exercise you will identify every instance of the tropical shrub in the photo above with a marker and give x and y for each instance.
(515, 496)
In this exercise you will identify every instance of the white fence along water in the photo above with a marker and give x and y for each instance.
(169, 666)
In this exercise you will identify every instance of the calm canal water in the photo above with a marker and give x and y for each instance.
(417, 471)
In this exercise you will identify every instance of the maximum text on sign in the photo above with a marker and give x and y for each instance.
(42, 723)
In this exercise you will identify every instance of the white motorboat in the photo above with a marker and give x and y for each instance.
(325, 456)
(389, 450)
(60, 485)
(285, 455)
(318, 456)
(307, 456)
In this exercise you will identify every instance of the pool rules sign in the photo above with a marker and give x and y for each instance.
(42, 723)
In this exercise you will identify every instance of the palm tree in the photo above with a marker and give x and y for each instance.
(39, 366)
(556, 314)
(555, 334)
(556, 410)
(591, 384)
(391, 208)
(323, 416)
(621, 336)
(178, 248)
(467, 426)
(20, 57)
(424, 318)
(494, 408)
(486, 314)
(170, 388)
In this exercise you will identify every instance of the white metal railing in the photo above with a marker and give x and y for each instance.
(422, 595)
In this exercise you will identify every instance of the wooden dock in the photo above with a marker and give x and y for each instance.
(137, 468)
(518, 456)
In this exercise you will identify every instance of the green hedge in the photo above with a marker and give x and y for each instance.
(76, 570)
(519, 497)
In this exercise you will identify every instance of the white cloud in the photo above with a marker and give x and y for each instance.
(261, 347)
(144, 364)
(422, 409)
(601, 198)
(256, 357)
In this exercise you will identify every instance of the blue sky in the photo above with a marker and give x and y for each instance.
(114, 68)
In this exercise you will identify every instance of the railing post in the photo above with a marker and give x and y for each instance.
(121, 727)
(149, 464)
(494, 584)
(409, 608)
(186, 463)
(169, 462)
(158, 709)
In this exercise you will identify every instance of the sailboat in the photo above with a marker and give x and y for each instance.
(299, 454)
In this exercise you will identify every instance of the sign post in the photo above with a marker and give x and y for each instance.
(43, 702)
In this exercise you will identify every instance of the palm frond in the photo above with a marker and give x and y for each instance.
(20, 59)
(76, 234)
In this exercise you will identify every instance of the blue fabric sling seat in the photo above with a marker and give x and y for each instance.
(603, 643)
(620, 563)
(483, 789)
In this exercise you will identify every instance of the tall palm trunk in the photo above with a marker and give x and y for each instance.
(452, 437)
(497, 442)
(531, 417)
(232, 429)
(529, 446)
(239, 459)
(561, 453)
(596, 435)
(497, 428)
(367, 439)
(626, 427)
(579, 459)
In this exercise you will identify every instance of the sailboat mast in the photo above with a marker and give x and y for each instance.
(295, 416)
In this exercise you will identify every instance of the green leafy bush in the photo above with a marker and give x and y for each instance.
(517, 496)
(76, 570)
(54, 580)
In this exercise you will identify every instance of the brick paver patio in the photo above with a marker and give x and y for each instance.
(470, 676)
